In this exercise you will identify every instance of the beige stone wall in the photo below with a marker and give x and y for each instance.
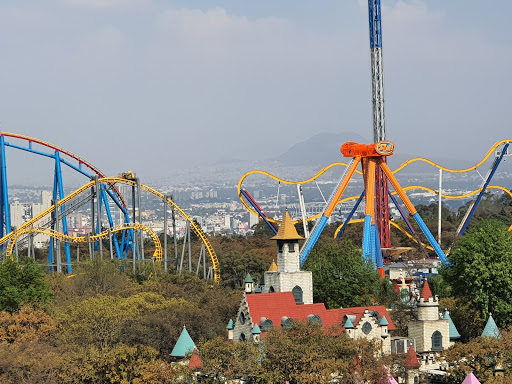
(428, 310)
(285, 282)
(374, 334)
(421, 332)
(246, 327)
(288, 261)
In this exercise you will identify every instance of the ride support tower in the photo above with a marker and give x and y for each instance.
(379, 123)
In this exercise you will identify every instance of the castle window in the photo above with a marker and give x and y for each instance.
(241, 318)
(242, 337)
(286, 322)
(437, 341)
(266, 324)
(367, 328)
(315, 320)
(291, 247)
(271, 289)
(297, 294)
(280, 246)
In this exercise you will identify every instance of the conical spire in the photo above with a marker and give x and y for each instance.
(425, 292)
(491, 329)
(348, 324)
(273, 267)
(195, 361)
(383, 321)
(256, 330)
(184, 345)
(230, 325)
(248, 278)
(411, 361)
(454, 334)
(287, 230)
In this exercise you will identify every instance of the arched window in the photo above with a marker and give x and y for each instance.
(266, 324)
(297, 294)
(437, 341)
(241, 318)
(286, 322)
(279, 246)
(315, 320)
(242, 337)
(291, 247)
(271, 289)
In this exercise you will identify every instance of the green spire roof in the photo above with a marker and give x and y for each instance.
(230, 324)
(256, 330)
(248, 278)
(491, 330)
(262, 280)
(383, 321)
(454, 334)
(184, 345)
(348, 324)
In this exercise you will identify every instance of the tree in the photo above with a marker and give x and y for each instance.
(481, 270)
(22, 283)
(236, 265)
(25, 325)
(342, 278)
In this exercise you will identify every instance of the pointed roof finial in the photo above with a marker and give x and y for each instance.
(348, 324)
(287, 230)
(230, 325)
(383, 321)
(411, 361)
(273, 267)
(256, 330)
(425, 292)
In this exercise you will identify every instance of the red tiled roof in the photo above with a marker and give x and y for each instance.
(195, 361)
(274, 306)
(411, 361)
(425, 292)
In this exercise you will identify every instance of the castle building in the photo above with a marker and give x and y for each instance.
(285, 294)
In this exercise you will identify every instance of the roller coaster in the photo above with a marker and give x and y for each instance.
(499, 150)
(102, 193)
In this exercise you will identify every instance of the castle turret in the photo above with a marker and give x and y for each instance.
(384, 327)
(256, 333)
(288, 277)
(412, 366)
(249, 283)
(230, 328)
(428, 307)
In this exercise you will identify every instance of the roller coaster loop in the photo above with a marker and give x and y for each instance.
(84, 239)
(402, 166)
(117, 180)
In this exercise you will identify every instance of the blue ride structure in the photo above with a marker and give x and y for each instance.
(101, 194)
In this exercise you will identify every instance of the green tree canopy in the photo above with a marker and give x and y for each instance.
(481, 270)
(341, 277)
(22, 283)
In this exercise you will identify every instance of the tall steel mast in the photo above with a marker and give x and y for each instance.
(379, 123)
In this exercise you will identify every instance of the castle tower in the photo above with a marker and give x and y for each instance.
(430, 332)
(289, 277)
(412, 366)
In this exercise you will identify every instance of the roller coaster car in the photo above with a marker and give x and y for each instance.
(381, 148)
(128, 175)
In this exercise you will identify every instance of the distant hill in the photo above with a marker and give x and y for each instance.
(320, 150)
(324, 149)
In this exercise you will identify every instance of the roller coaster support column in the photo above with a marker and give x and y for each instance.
(494, 166)
(379, 122)
(110, 221)
(165, 232)
(4, 209)
(333, 201)
(349, 217)
(97, 194)
(60, 186)
(414, 213)
(141, 233)
(174, 233)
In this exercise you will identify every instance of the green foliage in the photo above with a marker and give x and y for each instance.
(236, 265)
(481, 270)
(439, 287)
(341, 277)
(22, 283)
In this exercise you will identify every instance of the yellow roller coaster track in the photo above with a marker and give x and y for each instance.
(323, 170)
(84, 239)
(114, 180)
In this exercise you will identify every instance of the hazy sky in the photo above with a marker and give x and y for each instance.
(149, 85)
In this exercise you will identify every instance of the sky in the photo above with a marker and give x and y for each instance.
(154, 85)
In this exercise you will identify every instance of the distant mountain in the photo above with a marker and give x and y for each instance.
(324, 149)
(320, 150)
